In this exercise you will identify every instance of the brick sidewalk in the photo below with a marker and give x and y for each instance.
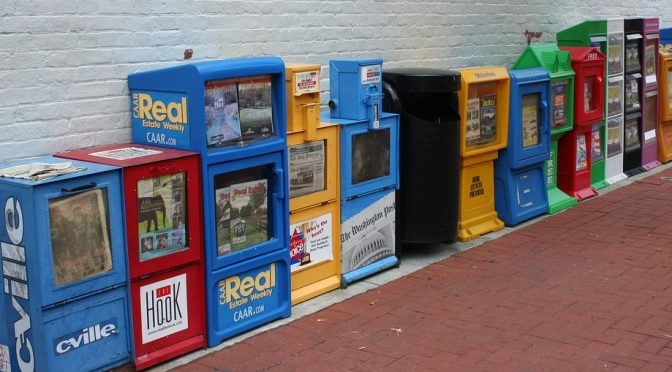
(587, 289)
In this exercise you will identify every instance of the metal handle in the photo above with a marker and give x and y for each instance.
(279, 189)
(79, 188)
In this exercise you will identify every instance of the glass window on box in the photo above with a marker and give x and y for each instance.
(650, 57)
(370, 155)
(650, 118)
(162, 215)
(589, 95)
(614, 136)
(481, 119)
(307, 168)
(615, 53)
(238, 110)
(559, 102)
(242, 212)
(632, 135)
(531, 118)
(80, 239)
(632, 55)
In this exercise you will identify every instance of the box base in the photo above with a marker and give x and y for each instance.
(559, 201)
(619, 177)
(315, 289)
(368, 270)
(472, 229)
(170, 352)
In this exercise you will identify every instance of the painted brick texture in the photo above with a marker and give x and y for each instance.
(65, 62)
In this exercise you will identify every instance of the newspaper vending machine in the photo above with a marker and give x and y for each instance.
(232, 112)
(65, 303)
(164, 245)
(369, 167)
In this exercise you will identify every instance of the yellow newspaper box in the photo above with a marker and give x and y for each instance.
(314, 206)
(484, 112)
(665, 105)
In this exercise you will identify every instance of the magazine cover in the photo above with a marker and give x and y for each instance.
(223, 218)
(650, 61)
(222, 122)
(488, 119)
(559, 90)
(80, 242)
(581, 153)
(631, 135)
(473, 121)
(249, 214)
(631, 94)
(613, 138)
(614, 98)
(632, 56)
(256, 107)
(306, 168)
(614, 53)
(530, 118)
(311, 242)
(161, 215)
(596, 145)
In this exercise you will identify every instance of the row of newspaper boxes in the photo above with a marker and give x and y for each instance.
(239, 198)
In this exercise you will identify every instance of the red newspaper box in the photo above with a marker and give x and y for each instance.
(163, 217)
(579, 147)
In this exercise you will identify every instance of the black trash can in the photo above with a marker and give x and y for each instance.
(429, 151)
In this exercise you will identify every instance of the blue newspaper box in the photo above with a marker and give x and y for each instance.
(233, 112)
(369, 161)
(520, 183)
(356, 89)
(65, 300)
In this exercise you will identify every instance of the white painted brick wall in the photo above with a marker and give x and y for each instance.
(64, 63)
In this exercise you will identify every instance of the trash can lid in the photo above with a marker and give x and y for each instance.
(423, 80)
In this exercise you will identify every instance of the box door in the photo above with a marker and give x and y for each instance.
(650, 117)
(534, 115)
(163, 215)
(590, 95)
(84, 250)
(246, 209)
(369, 159)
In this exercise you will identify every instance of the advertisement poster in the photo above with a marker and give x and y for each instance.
(223, 219)
(160, 118)
(613, 138)
(631, 135)
(256, 108)
(559, 90)
(163, 308)
(161, 215)
(222, 121)
(473, 121)
(530, 118)
(581, 153)
(311, 242)
(488, 119)
(80, 240)
(307, 82)
(240, 302)
(249, 214)
(596, 145)
(368, 236)
(307, 165)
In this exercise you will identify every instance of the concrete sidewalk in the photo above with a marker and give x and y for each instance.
(586, 289)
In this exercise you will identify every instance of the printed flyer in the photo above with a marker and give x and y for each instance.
(631, 135)
(473, 121)
(368, 236)
(596, 145)
(581, 153)
(307, 165)
(311, 242)
(613, 137)
(256, 107)
(530, 118)
(559, 90)
(223, 218)
(307, 82)
(161, 215)
(488, 119)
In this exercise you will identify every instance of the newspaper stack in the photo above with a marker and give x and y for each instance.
(39, 171)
